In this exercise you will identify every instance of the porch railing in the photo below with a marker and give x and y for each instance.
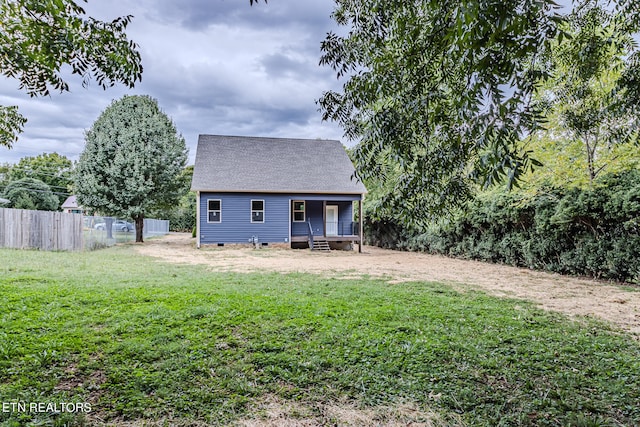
(342, 228)
(310, 234)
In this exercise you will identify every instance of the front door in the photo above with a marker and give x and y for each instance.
(332, 221)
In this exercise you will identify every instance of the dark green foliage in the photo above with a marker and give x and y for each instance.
(441, 95)
(30, 193)
(133, 161)
(425, 90)
(584, 94)
(384, 232)
(181, 216)
(594, 232)
(53, 169)
(11, 124)
(5, 170)
(39, 38)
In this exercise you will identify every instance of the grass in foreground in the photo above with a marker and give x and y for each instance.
(147, 341)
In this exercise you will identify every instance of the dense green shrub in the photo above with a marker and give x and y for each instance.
(31, 193)
(182, 217)
(594, 232)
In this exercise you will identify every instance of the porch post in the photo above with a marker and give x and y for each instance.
(324, 218)
(360, 224)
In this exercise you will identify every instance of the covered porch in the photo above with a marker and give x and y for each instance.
(335, 221)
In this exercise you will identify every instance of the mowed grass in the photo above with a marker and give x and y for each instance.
(149, 342)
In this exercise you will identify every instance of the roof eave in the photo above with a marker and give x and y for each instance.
(208, 190)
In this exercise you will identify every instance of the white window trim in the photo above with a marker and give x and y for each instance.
(304, 211)
(258, 210)
(212, 210)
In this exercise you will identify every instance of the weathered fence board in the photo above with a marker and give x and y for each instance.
(49, 231)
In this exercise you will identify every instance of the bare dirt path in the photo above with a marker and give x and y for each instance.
(574, 296)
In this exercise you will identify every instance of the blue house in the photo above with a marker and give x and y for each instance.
(279, 191)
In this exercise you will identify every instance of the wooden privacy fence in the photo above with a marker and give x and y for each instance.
(49, 231)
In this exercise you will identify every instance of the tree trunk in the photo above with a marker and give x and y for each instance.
(139, 226)
(108, 226)
(591, 168)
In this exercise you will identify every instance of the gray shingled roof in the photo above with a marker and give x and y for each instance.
(70, 203)
(280, 165)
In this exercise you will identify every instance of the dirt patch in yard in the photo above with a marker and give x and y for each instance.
(570, 295)
(271, 411)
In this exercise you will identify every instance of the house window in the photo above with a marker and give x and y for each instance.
(214, 211)
(298, 211)
(257, 211)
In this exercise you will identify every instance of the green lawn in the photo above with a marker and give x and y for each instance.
(141, 340)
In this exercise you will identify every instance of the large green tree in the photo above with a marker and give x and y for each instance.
(443, 89)
(53, 169)
(584, 96)
(30, 193)
(589, 129)
(132, 161)
(41, 37)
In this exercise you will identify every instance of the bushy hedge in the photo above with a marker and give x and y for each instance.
(594, 232)
(182, 217)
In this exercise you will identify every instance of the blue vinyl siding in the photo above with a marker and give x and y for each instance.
(236, 225)
(314, 214)
(345, 218)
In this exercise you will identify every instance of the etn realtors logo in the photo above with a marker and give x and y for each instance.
(46, 407)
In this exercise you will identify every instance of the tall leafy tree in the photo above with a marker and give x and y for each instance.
(51, 168)
(30, 193)
(40, 37)
(132, 161)
(442, 88)
(584, 99)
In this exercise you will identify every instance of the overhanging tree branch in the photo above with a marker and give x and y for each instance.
(38, 37)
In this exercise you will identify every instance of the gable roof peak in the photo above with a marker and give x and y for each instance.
(266, 164)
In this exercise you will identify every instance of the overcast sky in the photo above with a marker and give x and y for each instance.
(215, 66)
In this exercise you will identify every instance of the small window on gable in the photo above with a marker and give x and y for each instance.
(214, 211)
(257, 211)
(298, 211)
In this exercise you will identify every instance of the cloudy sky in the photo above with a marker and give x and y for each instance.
(215, 66)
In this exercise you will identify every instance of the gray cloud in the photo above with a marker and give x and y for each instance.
(312, 16)
(215, 66)
(279, 65)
